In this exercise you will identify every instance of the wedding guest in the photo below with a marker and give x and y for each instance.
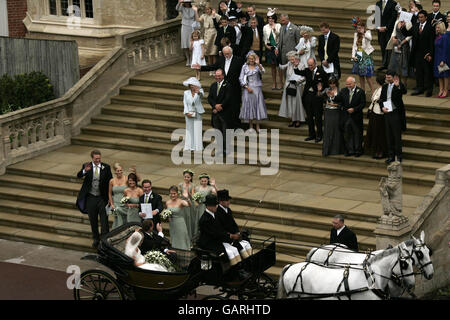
(234, 23)
(251, 13)
(187, 20)
(414, 9)
(117, 186)
(206, 187)
(333, 140)
(289, 37)
(306, 46)
(401, 53)
(93, 195)
(246, 36)
(210, 31)
(224, 10)
(436, 16)
(375, 142)
(193, 110)
(391, 103)
(442, 59)
(312, 101)
(224, 31)
(271, 35)
(386, 14)
(253, 108)
(230, 5)
(353, 100)
(239, 7)
(257, 38)
(154, 199)
(197, 47)
(362, 55)
(186, 192)
(179, 235)
(133, 191)
(291, 102)
(328, 50)
(422, 53)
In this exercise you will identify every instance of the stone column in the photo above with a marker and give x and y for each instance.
(392, 227)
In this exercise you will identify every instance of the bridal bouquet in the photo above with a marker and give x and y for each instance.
(160, 258)
(125, 200)
(166, 214)
(199, 197)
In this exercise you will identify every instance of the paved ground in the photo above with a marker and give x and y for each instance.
(35, 272)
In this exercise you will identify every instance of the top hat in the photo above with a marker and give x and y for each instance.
(211, 200)
(223, 195)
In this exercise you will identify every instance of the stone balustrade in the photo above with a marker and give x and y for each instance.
(42, 128)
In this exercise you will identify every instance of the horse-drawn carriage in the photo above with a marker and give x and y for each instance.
(193, 269)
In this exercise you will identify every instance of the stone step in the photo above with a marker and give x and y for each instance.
(294, 143)
(319, 165)
(171, 110)
(40, 184)
(45, 238)
(38, 197)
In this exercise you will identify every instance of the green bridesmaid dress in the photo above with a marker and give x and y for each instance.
(179, 237)
(120, 214)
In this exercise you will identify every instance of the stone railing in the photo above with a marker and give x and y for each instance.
(42, 128)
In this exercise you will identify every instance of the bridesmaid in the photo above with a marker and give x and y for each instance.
(179, 237)
(187, 191)
(134, 192)
(207, 186)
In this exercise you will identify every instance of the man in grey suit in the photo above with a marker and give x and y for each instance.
(289, 37)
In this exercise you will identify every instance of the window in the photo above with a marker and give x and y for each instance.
(78, 8)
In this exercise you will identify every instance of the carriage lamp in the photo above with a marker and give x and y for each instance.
(205, 263)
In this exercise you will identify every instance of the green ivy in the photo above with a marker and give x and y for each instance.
(24, 90)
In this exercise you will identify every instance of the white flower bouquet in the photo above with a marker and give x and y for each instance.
(125, 200)
(199, 197)
(160, 258)
(166, 214)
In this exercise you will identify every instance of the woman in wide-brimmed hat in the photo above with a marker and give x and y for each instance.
(193, 110)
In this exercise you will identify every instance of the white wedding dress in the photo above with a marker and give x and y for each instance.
(132, 250)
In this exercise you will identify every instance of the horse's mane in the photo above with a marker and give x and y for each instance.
(384, 254)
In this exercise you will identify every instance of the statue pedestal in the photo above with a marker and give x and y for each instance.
(391, 231)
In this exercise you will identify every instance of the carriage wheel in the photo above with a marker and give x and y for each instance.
(267, 285)
(98, 285)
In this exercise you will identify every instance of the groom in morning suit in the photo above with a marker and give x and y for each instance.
(93, 196)
(151, 197)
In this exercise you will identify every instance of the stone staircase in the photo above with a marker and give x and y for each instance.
(296, 206)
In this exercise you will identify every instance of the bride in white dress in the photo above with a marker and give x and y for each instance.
(306, 46)
(193, 110)
(132, 250)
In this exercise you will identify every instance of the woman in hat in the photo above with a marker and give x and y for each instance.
(207, 186)
(179, 234)
(291, 105)
(271, 35)
(187, 22)
(186, 193)
(306, 46)
(193, 110)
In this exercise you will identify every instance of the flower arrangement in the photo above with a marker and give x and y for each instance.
(166, 214)
(199, 197)
(160, 258)
(355, 21)
(125, 200)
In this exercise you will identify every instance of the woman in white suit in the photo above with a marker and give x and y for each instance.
(306, 46)
(193, 110)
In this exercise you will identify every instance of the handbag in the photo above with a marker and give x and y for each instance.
(291, 90)
(443, 68)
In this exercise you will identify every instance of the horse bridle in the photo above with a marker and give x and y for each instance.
(419, 255)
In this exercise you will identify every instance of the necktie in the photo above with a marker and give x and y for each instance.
(384, 5)
(420, 28)
(325, 48)
(256, 33)
(96, 172)
(351, 97)
(146, 198)
(218, 88)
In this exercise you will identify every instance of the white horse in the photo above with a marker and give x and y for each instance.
(309, 280)
(338, 254)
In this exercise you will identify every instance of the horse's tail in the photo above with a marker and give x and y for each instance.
(281, 293)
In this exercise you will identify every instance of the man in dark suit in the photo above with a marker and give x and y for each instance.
(391, 102)
(251, 13)
(386, 15)
(151, 197)
(231, 65)
(213, 236)
(93, 196)
(422, 53)
(435, 16)
(225, 216)
(328, 49)
(155, 240)
(246, 37)
(224, 30)
(231, 5)
(343, 235)
(353, 100)
(316, 78)
(253, 40)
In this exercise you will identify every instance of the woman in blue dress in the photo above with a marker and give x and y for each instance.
(441, 59)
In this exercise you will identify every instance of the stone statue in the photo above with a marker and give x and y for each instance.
(391, 191)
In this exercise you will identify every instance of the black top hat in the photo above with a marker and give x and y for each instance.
(211, 200)
(223, 195)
